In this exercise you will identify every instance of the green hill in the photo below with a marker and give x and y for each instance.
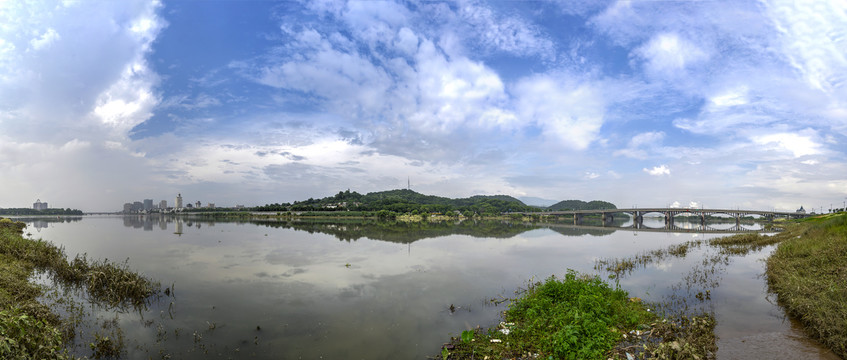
(404, 201)
(408, 201)
(581, 205)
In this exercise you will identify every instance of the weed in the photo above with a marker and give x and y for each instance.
(29, 329)
(808, 272)
(578, 317)
(23, 336)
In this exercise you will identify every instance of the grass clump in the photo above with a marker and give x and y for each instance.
(28, 328)
(808, 272)
(578, 317)
(575, 318)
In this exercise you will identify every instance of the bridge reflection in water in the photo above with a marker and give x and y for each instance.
(681, 227)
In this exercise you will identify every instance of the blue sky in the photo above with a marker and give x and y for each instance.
(647, 103)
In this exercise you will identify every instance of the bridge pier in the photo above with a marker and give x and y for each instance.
(577, 219)
(669, 218)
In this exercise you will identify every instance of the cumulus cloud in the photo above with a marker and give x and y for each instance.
(106, 86)
(801, 144)
(569, 113)
(50, 36)
(668, 53)
(658, 170)
(456, 92)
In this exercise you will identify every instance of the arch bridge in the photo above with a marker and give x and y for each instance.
(637, 214)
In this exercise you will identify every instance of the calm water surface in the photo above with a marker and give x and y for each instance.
(379, 291)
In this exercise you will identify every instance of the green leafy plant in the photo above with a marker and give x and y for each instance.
(467, 336)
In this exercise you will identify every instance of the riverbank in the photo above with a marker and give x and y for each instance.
(30, 329)
(808, 272)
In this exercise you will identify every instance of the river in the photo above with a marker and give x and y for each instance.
(376, 290)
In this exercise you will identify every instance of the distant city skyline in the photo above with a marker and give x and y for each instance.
(148, 205)
(733, 104)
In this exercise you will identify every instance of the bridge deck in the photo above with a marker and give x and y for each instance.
(673, 211)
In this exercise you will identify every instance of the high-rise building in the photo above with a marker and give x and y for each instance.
(148, 204)
(38, 205)
(163, 204)
(178, 204)
(197, 204)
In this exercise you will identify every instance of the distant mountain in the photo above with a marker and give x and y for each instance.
(536, 201)
(581, 205)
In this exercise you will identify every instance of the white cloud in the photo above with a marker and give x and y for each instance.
(658, 170)
(75, 145)
(50, 36)
(407, 41)
(456, 92)
(105, 86)
(129, 101)
(668, 53)
(799, 144)
(569, 113)
(504, 33)
(734, 97)
(812, 38)
(346, 79)
(375, 22)
(640, 144)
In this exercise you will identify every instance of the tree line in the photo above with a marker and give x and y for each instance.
(28, 211)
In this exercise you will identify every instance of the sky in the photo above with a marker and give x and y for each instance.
(715, 104)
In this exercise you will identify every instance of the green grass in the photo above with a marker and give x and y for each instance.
(578, 317)
(29, 329)
(808, 272)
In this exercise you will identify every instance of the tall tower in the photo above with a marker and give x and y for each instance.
(178, 204)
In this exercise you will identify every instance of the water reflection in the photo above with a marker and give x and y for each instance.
(41, 222)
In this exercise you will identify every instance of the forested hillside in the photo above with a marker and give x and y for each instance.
(581, 205)
(404, 201)
(408, 201)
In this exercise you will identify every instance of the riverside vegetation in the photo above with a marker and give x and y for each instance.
(808, 272)
(31, 330)
(581, 317)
